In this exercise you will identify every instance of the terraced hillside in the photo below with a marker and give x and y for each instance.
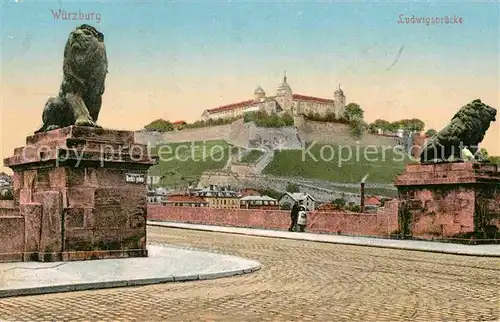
(181, 163)
(347, 164)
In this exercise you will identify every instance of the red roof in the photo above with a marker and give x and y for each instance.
(184, 198)
(179, 122)
(311, 98)
(230, 106)
(249, 102)
(249, 192)
(374, 201)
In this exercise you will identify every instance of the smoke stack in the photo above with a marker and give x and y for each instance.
(362, 207)
(211, 187)
(362, 203)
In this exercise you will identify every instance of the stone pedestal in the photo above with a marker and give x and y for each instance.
(82, 194)
(449, 200)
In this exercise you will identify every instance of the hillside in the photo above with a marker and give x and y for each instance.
(181, 163)
(295, 163)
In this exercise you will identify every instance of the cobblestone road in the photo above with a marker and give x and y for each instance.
(301, 281)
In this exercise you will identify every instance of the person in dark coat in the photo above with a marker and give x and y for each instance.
(294, 215)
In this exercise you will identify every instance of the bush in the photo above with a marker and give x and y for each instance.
(286, 206)
(339, 202)
(292, 187)
(159, 125)
(211, 122)
(6, 195)
(329, 117)
(264, 119)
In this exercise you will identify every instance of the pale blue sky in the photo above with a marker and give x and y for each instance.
(331, 36)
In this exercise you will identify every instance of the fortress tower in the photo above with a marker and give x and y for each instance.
(339, 102)
(259, 94)
(284, 95)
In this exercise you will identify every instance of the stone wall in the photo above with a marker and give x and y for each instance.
(382, 223)
(337, 133)
(293, 137)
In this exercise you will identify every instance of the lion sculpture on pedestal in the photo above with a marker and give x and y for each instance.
(85, 66)
(465, 131)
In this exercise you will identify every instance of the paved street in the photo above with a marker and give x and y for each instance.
(299, 280)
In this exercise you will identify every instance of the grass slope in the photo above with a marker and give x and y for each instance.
(252, 157)
(317, 162)
(181, 163)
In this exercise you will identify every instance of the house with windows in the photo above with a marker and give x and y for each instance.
(184, 200)
(259, 202)
(288, 199)
(220, 197)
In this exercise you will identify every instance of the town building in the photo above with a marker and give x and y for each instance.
(185, 201)
(259, 202)
(290, 198)
(220, 197)
(285, 101)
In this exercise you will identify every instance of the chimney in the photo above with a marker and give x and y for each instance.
(211, 187)
(362, 207)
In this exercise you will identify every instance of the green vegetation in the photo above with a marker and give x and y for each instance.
(352, 112)
(7, 195)
(292, 188)
(183, 163)
(264, 119)
(316, 161)
(252, 157)
(329, 117)
(159, 125)
(430, 132)
(407, 125)
(271, 193)
(211, 122)
(494, 159)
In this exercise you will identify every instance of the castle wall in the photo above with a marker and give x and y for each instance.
(239, 134)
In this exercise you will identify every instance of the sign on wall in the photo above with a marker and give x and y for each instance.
(135, 178)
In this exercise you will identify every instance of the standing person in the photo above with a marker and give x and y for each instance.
(302, 219)
(293, 216)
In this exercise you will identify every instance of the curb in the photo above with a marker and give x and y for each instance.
(116, 284)
(256, 234)
(253, 267)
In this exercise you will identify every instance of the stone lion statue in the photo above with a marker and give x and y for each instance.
(464, 133)
(85, 66)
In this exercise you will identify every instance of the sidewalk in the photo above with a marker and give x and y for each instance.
(424, 246)
(165, 263)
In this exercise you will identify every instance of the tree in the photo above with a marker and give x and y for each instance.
(379, 124)
(430, 132)
(412, 125)
(352, 111)
(484, 153)
(159, 125)
(292, 187)
(356, 128)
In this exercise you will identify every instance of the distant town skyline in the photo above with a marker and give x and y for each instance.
(174, 60)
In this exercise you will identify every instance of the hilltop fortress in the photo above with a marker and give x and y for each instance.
(285, 101)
